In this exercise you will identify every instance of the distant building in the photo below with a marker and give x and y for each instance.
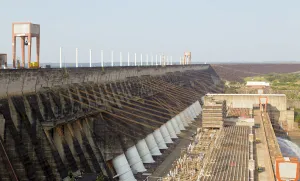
(257, 84)
(260, 87)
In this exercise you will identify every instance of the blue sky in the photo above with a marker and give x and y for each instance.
(213, 30)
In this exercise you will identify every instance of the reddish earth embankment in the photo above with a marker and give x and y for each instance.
(236, 72)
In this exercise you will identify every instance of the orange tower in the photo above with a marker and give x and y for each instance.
(187, 59)
(26, 31)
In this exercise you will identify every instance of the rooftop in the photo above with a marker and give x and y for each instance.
(257, 83)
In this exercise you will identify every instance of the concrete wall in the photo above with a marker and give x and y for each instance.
(278, 104)
(293, 103)
(16, 82)
(290, 119)
(247, 100)
(57, 140)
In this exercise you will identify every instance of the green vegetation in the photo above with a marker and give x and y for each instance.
(297, 115)
(232, 87)
(70, 174)
(257, 78)
(101, 178)
(288, 84)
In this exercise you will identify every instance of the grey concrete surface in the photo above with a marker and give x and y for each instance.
(18, 81)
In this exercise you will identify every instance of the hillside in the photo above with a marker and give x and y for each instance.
(237, 72)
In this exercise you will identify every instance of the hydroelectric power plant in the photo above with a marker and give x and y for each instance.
(138, 123)
(56, 121)
(123, 123)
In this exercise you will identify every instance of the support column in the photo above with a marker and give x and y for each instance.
(147, 61)
(128, 59)
(38, 50)
(14, 51)
(76, 58)
(29, 50)
(23, 51)
(121, 59)
(102, 63)
(112, 58)
(160, 60)
(60, 57)
(152, 60)
(90, 57)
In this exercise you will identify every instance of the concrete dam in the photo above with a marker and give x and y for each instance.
(118, 122)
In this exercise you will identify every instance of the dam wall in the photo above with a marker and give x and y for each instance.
(60, 121)
(21, 81)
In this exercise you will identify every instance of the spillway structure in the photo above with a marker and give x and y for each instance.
(116, 122)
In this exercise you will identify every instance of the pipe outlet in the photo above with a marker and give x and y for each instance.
(135, 160)
(144, 151)
(123, 169)
(152, 145)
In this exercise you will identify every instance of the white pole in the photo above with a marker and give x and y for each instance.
(76, 57)
(128, 59)
(147, 62)
(167, 60)
(102, 58)
(134, 59)
(121, 59)
(160, 59)
(156, 60)
(141, 59)
(171, 61)
(152, 59)
(60, 59)
(112, 58)
(90, 57)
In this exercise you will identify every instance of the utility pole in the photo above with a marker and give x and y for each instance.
(121, 59)
(76, 57)
(112, 58)
(102, 63)
(90, 57)
(60, 58)
(128, 59)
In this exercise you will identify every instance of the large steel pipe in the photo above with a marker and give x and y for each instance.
(144, 151)
(183, 119)
(175, 126)
(165, 134)
(135, 160)
(171, 129)
(123, 169)
(152, 145)
(179, 122)
(192, 113)
(188, 118)
(159, 139)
